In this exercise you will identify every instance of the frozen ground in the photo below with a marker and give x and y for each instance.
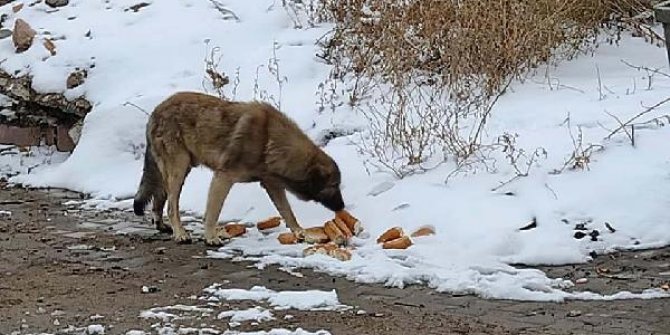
(65, 269)
(478, 241)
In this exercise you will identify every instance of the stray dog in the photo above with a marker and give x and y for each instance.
(240, 142)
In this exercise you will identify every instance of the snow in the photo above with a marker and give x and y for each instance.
(307, 300)
(258, 314)
(478, 240)
(17, 161)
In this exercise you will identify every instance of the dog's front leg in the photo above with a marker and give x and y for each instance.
(218, 191)
(278, 196)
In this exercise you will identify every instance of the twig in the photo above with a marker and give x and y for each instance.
(622, 126)
(646, 111)
(225, 11)
(648, 69)
(128, 103)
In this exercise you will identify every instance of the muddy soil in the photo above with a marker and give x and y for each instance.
(63, 267)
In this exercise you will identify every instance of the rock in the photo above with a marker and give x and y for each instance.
(4, 2)
(4, 33)
(57, 3)
(135, 8)
(49, 45)
(23, 35)
(76, 78)
(75, 131)
(17, 8)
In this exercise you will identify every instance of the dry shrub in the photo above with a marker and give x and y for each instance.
(430, 71)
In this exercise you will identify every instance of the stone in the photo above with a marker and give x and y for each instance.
(57, 3)
(17, 8)
(76, 78)
(49, 45)
(23, 35)
(4, 33)
(4, 2)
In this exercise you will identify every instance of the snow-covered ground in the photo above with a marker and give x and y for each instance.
(142, 57)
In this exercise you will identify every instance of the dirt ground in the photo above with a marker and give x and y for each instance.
(63, 267)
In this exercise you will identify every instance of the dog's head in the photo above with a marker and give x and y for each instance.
(321, 183)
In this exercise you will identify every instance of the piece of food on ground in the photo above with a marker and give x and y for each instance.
(353, 223)
(398, 243)
(315, 235)
(334, 233)
(391, 234)
(287, 238)
(343, 228)
(235, 229)
(423, 231)
(329, 249)
(269, 223)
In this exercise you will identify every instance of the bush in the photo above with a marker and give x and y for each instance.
(438, 66)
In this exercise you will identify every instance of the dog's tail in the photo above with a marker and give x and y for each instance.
(151, 183)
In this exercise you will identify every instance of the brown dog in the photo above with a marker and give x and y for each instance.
(240, 142)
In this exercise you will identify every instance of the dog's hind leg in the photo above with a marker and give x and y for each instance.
(218, 191)
(278, 196)
(158, 203)
(175, 170)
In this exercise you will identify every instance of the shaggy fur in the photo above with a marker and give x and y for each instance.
(240, 142)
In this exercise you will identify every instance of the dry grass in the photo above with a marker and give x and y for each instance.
(427, 73)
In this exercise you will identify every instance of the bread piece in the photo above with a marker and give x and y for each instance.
(391, 234)
(329, 249)
(352, 223)
(269, 223)
(287, 238)
(319, 248)
(343, 228)
(340, 254)
(423, 231)
(235, 229)
(399, 243)
(315, 235)
(334, 233)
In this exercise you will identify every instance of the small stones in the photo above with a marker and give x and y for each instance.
(76, 78)
(149, 289)
(4, 33)
(23, 35)
(582, 281)
(57, 3)
(135, 8)
(579, 235)
(594, 235)
(574, 313)
(49, 45)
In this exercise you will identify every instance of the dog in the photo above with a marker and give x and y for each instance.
(241, 142)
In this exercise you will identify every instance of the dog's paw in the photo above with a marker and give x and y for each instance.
(213, 241)
(183, 238)
(163, 228)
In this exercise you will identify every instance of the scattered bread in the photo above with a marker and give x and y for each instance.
(235, 229)
(315, 235)
(334, 233)
(269, 223)
(398, 243)
(423, 231)
(329, 249)
(391, 234)
(340, 254)
(287, 238)
(352, 223)
(343, 228)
